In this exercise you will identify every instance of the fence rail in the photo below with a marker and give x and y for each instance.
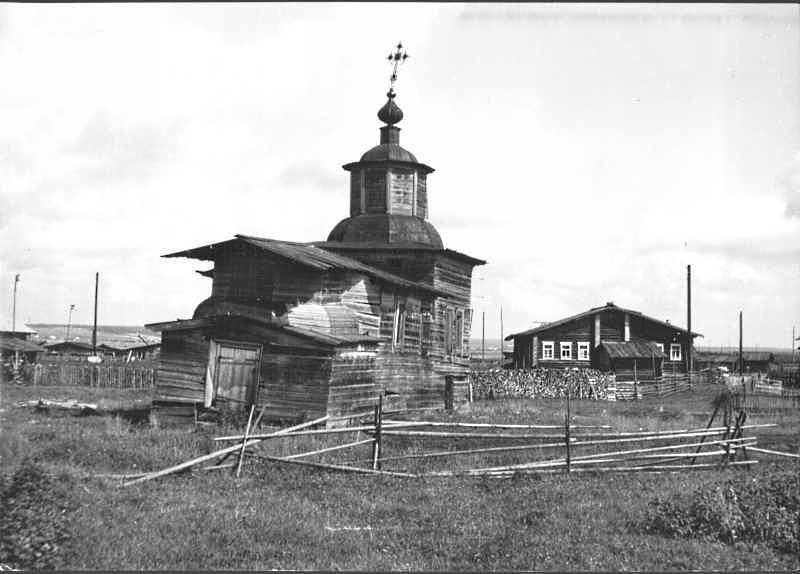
(632, 390)
(119, 376)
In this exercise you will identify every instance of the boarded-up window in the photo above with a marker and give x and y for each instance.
(449, 320)
(375, 190)
(425, 336)
(458, 344)
(422, 196)
(399, 330)
(401, 191)
(465, 332)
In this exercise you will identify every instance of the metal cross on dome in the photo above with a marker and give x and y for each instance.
(396, 58)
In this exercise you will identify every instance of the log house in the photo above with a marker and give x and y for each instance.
(608, 338)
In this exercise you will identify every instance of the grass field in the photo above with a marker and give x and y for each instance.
(299, 518)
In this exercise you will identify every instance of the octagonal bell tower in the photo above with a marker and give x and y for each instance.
(388, 193)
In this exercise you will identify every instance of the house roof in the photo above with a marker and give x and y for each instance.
(67, 344)
(128, 346)
(377, 246)
(752, 356)
(594, 311)
(306, 254)
(324, 338)
(19, 326)
(632, 350)
(14, 344)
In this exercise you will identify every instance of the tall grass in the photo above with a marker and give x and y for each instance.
(286, 517)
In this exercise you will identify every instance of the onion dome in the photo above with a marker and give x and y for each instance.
(390, 113)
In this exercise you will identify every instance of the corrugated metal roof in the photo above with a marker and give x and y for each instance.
(632, 350)
(595, 310)
(306, 254)
(14, 344)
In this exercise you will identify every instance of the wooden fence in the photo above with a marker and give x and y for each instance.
(632, 390)
(788, 399)
(118, 376)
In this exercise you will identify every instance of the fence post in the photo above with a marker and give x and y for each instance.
(376, 445)
(566, 431)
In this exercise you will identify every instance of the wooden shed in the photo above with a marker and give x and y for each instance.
(632, 360)
(305, 329)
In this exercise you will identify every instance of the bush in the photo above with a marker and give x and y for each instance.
(763, 509)
(33, 517)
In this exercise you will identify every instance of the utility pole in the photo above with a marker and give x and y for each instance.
(94, 329)
(69, 321)
(14, 308)
(483, 337)
(741, 355)
(689, 319)
(501, 337)
(14, 325)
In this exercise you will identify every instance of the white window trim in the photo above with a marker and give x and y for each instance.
(552, 347)
(562, 346)
(583, 346)
(673, 356)
(660, 346)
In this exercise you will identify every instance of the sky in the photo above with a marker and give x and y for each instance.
(588, 153)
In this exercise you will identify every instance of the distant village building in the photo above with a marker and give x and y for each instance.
(753, 361)
(608, 338)
(130, 351)
(16, 348)
(307, 329)
(15, 331)
(69, 348)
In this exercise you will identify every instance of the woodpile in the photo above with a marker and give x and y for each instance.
(541, 383)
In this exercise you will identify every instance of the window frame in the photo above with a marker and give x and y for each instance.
(564, 346)
(672, 353)
(660, 346)
(399, 324)
(551, 345)
(584, 345)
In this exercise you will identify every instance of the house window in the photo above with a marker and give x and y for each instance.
(583, 351)
(566, 351)
(547, 350)
(675, 352)
(660, 346)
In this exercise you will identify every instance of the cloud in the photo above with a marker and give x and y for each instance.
(311, 175)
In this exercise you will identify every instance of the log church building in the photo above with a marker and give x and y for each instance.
(303, 330)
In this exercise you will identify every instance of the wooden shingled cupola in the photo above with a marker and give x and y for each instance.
(388, 192)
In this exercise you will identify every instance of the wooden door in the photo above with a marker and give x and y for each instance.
(236, 374)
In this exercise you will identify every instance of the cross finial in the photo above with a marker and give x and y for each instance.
(395, 59)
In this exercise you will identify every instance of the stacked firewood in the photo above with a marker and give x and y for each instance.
(541, 383)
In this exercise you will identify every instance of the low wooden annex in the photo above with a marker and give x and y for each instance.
(608, 338)
(307, 329)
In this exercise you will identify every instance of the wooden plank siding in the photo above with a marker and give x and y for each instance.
(301, 379)
(182, 367)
